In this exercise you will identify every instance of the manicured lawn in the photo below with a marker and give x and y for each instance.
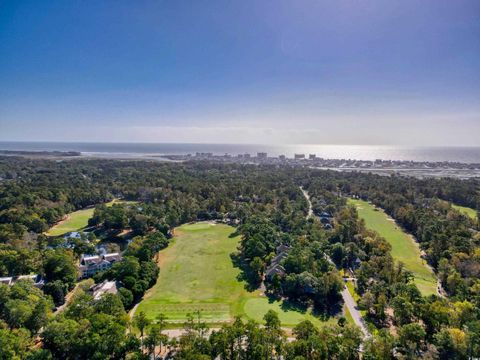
(255, 308)
(197, 274)
(404, 248)
(77, 220)
(466, 210)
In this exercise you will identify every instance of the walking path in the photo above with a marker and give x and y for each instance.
(347, 297)
(132, 312)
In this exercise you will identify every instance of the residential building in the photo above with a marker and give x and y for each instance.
(91, 264)
(275, 267)
(106, 287)
(37, 280)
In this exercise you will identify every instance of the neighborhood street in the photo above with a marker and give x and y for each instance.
(347, 297)
(352, 308)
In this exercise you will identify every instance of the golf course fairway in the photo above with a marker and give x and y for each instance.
(197, 275)
(404, 248)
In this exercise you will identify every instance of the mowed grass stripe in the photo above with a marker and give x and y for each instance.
(404, 248)
(197, 274)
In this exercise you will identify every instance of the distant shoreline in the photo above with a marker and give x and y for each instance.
(466, 155)
(419, 169)
(40, 153)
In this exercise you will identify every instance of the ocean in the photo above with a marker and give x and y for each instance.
(358, 152)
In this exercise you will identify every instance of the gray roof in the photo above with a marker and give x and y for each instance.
(275, 269)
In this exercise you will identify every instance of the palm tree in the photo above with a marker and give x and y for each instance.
(161, 321)
(141, 322)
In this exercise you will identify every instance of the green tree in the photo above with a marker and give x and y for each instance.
(379, 347)
(141, 322)
(59, 265)
(410, 339)
(57, 290)
(110, 304)
(403, 310)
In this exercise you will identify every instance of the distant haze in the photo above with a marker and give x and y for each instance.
(253, 72)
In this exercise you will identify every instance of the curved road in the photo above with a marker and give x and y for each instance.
(347, 297)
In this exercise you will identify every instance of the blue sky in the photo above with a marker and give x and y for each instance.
(323, 72)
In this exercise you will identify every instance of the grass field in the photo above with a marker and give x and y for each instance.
(466, 210)
(404, 248)
(76, 221)
(197, 274)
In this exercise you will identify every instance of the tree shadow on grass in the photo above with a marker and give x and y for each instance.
(234, 234)
(304, 305)
(245, 275)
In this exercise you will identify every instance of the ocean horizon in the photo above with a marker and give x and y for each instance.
(466, 154)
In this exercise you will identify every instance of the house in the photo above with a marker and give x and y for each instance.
(37, 280)
(91, 268)
(91, 264)
(328, 226)
(325, 214)
(73, 235)
(281, 253)
(273, 270)
(325, 220)
(90, 259)
(282, 248)
(6, 280)
(106, 287)
(112, 257)
(279, 257)
(232, 222)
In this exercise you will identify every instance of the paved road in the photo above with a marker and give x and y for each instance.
(352, 308)
(310, 208)
(347, 297)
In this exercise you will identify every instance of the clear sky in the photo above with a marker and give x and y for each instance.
(241, 71)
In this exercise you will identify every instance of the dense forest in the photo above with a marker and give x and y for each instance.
(298, 257)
